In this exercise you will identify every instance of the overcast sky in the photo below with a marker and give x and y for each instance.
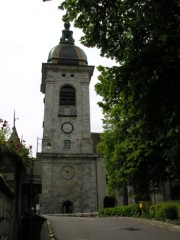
(28, 31)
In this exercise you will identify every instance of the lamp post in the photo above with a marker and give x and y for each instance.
(48, 147)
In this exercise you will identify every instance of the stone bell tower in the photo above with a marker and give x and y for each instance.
(69, 168)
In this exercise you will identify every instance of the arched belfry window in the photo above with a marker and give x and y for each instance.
(67, 101)
(67, 96)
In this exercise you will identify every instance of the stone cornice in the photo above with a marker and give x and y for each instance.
(66, 155)
(57, 68)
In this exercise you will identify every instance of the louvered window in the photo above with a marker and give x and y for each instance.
(67, 96)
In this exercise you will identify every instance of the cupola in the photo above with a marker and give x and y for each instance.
(66, 53)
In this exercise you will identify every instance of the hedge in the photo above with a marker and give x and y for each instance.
(168, 211)
(165, 211)
(129, 210)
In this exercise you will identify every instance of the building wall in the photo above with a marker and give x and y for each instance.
(71, 179)
(8, 224)
(54, 77)
(10, 199)
(68, 175)
(101, 181)
(86, 188)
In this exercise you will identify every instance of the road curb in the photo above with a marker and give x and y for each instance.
(157, 223)
(50, 231)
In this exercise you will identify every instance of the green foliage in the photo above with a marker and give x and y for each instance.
(13, 146)
(167, 211)
(179, 212)
(140, 96)
(4, 131)
(129, 210)
(152, 211)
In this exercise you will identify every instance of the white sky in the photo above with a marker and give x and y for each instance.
(28, 31)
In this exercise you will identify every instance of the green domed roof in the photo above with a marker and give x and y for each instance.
(66, 53)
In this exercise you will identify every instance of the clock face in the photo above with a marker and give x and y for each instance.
(67, 127)
(67, 172)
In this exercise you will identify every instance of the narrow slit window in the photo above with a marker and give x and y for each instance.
(67, 144)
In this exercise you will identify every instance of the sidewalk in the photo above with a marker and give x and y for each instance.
(44, 232)
(47, 232)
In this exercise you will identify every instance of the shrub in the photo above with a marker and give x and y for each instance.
(107, 212)
(10, 142)
(129, 210)
(167, 211)
(152, 211)
(163, 211)
(179, 212)
(119, 211)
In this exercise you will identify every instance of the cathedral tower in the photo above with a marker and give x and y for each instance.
(69, 165)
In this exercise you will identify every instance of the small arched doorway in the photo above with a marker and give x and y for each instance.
(67, 207)
(109, 202)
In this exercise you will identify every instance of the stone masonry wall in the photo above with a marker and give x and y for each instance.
(79, 79)
(71, 180)
(8, 225)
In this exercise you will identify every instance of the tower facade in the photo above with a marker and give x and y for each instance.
(69, 162)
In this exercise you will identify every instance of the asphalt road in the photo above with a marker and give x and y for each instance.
(111, 228)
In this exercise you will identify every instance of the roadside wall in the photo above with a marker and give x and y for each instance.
(8, 225)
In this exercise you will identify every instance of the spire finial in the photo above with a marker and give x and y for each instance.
(67, 35)
(14, 121)
(14, 136)
(67, 25)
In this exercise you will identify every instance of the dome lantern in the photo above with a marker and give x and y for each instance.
(67, 35)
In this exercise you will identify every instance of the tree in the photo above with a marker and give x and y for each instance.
(140, 97)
